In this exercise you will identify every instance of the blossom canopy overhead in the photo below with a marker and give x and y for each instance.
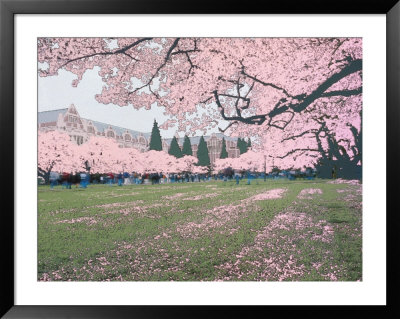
(296, 97)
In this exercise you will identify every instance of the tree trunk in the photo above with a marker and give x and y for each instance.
(342, 169)
(45, 175)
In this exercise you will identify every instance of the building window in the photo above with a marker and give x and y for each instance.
(110, 134)
(79, 140)
(72, 119)
(127, 137)
(90, 129)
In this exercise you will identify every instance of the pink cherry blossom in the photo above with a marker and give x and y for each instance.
(300, 99)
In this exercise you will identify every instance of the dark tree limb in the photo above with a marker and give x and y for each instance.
(167, 56)
(342, 93)
(255, 119)
(297, 103)
(226, 128)
(299, 150)
(255, 79)
(120, 51)
(299, 135)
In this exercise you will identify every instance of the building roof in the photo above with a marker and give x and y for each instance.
(50, 116)
(102, 127)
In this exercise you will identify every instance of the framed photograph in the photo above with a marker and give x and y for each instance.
(242, 159)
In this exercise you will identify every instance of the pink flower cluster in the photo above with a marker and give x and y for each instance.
(344, 181)
(203, 196)
(274, 249)
(272, 194)
(87, 220)
(172, 197)
(307, 192)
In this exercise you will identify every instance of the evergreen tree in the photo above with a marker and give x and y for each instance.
(155, 139)
(239, 145)
(249, 144)
(187, 147)
(202, 153)
(242, 145)
(224, 153)
(174, 148)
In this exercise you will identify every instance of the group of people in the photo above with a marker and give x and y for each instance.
(83, 179)
(161, 178)
(68, 179)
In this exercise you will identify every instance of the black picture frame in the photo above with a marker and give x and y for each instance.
(8, 10)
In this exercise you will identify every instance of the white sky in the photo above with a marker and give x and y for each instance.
(56, 92)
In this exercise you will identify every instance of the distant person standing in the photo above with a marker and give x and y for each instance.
(237, 178)
(76, 179)
(54, 176)
(135, 177)
(82, 183)
(119, 177)
(248, 177)
(110, 178)
(64, 178)
(87, 182)
(334, 172)
(69, 180)
(126, 178)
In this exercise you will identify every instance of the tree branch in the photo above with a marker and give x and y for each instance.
(264, 83)
(255, 119)
(299, 150)
(120, 51)
(299, 135)
(302, 100)
(352, 67)
(229, 125)
(168, 55)
(342, 92)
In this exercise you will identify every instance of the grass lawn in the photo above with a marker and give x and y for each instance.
(267, 231)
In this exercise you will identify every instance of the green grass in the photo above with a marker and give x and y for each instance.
(142, 233)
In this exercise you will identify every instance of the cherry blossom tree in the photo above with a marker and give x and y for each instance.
(158, 162)
(56, 153)
(134, 161)
(102, 154)
(186, 164)
(302, 95)
(199, 169)
(256, 161)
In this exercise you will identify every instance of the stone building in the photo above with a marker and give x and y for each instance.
(80, 130)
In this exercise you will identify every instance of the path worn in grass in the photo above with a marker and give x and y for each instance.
(274, 230)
